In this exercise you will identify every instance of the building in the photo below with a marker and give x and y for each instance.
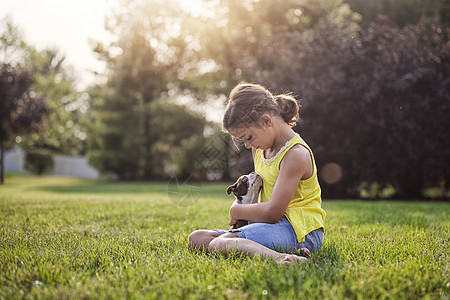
(73, 166)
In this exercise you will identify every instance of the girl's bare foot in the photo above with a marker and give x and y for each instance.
(304, 252)
(288, 259)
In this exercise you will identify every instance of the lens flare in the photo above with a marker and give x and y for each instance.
(331, 173)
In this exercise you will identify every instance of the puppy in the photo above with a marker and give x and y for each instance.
(246, 189)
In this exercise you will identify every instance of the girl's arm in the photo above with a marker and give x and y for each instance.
(296, 165)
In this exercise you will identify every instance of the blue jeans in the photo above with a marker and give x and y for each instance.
(279, 236)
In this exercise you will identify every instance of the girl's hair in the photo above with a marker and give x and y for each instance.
(248, 102)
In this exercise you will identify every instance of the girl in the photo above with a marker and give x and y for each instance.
(289, 215)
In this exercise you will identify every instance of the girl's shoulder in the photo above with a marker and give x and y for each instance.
(298, 152)
(298, 160)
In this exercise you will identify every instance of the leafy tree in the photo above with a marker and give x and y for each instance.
(39, 162)
(406, 107)
(385, 97)
(375, 99)
(402, 12)
(178, 140)
(20, 111)
(62, 130)
(368, 92)
(12, 45)
(144, 63)
(271, 43)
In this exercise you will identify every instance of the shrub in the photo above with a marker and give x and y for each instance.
(39, 162)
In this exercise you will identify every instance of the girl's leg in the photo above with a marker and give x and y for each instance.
(229, 242)
(200, 239)
(260, 239)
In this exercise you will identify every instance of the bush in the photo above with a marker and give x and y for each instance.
(39, 162)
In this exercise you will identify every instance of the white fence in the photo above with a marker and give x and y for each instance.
(74, 166)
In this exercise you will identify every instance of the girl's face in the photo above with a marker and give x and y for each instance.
(256, 137)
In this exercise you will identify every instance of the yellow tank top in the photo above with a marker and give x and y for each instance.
(304, 211)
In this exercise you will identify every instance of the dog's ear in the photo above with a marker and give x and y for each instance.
(231, 188)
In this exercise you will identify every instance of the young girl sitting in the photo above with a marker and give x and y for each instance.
(289, 215)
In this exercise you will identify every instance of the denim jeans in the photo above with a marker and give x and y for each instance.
(279, 236)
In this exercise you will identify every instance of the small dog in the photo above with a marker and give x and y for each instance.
(246, 189)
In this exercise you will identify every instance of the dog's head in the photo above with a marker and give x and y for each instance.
(246, 188)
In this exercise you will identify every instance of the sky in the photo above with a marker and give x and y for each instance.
(67, 25)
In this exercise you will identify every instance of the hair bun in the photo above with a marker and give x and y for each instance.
(248, 102)
(288, 108)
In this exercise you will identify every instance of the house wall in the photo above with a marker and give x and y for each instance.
(73, 166)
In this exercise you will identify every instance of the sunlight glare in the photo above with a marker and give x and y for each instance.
(71, 27)
(197, 8)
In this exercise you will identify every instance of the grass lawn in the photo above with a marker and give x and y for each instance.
(70, 238)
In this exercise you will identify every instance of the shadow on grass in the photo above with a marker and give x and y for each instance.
(97, 187)
(105, 187)
(73, 186)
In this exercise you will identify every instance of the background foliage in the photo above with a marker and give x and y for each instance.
(373, 79)
(375, 98)
(39, 162)
(41, 109)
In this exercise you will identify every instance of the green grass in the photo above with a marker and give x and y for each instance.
(70, 238)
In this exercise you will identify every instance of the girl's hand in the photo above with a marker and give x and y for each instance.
(233, 220)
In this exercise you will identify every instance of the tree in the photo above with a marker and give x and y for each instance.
(385, 97)
(178, 141)
(375, 99)
(144, 64)
(39, 162)
(281, 45)
(402, 12)
(384, 94)
(12, 45)
(20, 111)
(367, 92)
(64, 130)
(406, 107)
